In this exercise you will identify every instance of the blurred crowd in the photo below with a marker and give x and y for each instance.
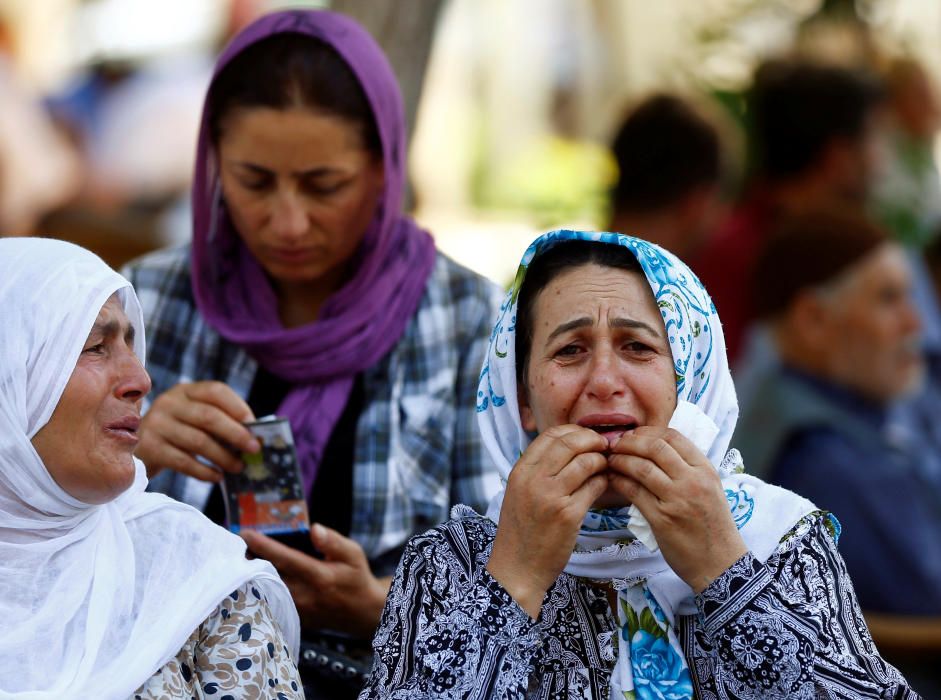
(824, 270)
(821, 248)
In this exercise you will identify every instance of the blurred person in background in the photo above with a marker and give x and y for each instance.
(814, 138)
(308, 293)
(836, 291)
(907, 195)
(39, 169)
(670, 173)
(846, 419)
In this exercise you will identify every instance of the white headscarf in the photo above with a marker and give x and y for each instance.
(617, 544)
(94, 599)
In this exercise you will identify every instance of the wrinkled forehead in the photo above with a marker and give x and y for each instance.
(599, 292)
(119, 315)
(112, 319)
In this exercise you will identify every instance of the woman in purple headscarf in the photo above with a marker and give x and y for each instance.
(307, 293)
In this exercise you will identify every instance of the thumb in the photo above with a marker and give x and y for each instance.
(334, 546)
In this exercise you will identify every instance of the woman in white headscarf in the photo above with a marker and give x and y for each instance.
(107, 591)
(629, 556)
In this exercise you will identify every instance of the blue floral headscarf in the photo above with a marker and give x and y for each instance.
(703, 379)
(618, 545)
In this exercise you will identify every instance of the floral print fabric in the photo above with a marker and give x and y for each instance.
(238, 653)
(787, 628)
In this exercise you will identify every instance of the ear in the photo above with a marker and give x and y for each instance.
(810, 318)
(526, 413)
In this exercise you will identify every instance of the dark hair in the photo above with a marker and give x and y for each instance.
(664, 150)
(808, 250)
(292, 70)
(548, 266)
(797, 109)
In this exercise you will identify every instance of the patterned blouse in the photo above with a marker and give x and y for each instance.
(238, 653)
(789, 628)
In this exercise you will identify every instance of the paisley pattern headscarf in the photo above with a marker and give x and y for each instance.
(617, 545)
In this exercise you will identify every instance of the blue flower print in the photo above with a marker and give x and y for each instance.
(742, 505)
(490, 397)
(659, 672)
(606, 519)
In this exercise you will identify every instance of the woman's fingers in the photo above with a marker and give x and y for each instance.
(195, 420)
(662, 447)
(213, 420)
(337, 547)
(288, 561)
(643, 471)
(169, 443)
(556, 447)
(634, 492)
(590, 491)
(196, 442)
(580, 470)
(221, 396)
(181, 461)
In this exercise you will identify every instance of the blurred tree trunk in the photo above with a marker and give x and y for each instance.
(404, 30)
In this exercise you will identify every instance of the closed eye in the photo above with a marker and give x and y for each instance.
(95, 349)
(256, 183)
(319, 187)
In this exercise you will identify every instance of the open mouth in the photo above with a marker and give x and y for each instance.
(613, 433)
(610, 427)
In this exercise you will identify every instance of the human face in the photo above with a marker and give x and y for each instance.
(599, 357)
(88, 443)
(870, 327)
(300, 189)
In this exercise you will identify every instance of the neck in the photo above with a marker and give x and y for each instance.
(661, 227)
(299, 303)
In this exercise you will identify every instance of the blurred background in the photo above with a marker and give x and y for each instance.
(513, 104)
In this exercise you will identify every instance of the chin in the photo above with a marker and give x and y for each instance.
(296, 273)
(906, 383)
(122, 478)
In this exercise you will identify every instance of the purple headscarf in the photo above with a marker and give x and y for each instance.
(363, 320)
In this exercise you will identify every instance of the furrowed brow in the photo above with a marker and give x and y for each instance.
(569, 326)
(633, 323)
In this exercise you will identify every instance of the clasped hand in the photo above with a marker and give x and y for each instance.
(567, 468)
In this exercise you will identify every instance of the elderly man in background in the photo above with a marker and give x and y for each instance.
(836, 293)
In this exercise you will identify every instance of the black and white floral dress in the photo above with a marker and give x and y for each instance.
(788, 628)
(237, 653)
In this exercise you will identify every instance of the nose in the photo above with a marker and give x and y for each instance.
(133, 381)
(288, 217)
(604, 380)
